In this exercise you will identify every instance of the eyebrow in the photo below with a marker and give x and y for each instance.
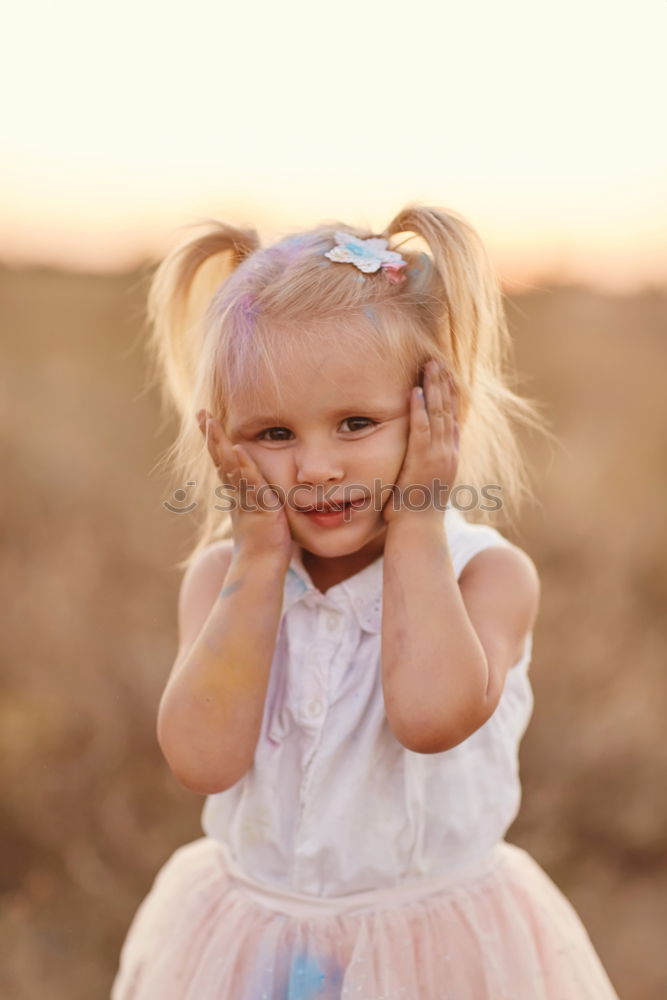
(273, 421)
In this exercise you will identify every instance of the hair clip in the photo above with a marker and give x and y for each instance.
(368, 256)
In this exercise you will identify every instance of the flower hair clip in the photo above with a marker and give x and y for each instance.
(369, 256)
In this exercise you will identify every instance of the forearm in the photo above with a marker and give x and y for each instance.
(211, 710)
(434, 670)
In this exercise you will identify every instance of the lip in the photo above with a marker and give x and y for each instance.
(330, 517)
(327, 508)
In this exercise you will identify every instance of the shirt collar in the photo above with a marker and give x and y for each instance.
(361, 593)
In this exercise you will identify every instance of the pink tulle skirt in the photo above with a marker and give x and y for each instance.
(498, 930)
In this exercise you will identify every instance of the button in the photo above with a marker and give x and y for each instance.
(314, 708)
(332, 622)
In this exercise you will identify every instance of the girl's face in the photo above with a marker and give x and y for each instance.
(342, 433)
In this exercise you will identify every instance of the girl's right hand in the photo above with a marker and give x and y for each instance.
(262, 528)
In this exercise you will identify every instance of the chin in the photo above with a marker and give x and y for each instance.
(344, 541)
(332, 543)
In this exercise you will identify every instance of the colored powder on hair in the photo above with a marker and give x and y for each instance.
(276, 252)
(294, 244)
(371, 315)
(247, 304)
(286, 250)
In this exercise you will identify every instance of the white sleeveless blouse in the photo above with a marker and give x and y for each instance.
(333, 803)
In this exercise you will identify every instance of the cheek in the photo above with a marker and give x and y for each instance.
(386, 450)
(397, 437)
(271, 464)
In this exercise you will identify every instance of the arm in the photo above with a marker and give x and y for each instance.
(211, 710)
(446, 644)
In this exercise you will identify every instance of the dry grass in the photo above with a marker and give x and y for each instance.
(90, 810)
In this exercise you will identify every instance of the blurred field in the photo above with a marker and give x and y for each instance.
(89, 808)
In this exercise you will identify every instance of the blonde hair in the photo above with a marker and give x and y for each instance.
(221, 309)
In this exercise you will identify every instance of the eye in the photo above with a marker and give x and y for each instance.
(364, 420)
(269, 430)
(267, 435)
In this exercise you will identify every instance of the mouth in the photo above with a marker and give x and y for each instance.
(331, 508)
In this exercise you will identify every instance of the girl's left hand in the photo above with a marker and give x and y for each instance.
(431, 460)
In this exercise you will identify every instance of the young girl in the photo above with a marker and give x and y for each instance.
(351, 684)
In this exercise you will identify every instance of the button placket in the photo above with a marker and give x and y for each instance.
(307, 797)
(314, 700)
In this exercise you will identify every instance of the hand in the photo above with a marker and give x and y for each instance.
(262, 527)
(432, 455)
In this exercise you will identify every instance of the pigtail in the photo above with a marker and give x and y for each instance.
(176, 306)
(183, 361)
(473, 313)
(470, 330)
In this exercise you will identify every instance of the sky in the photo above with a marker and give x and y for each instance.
(542, 123)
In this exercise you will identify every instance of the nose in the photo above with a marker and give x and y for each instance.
(317, 464)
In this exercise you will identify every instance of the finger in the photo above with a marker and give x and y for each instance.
(266, 493)
(451, 391)
(221, 452)
(419, 421)
(435, 400)
(223, 444)
(445, 417)
(453, 408)
(207, 434)
(213, 443)
(246, 465)
(249, 468)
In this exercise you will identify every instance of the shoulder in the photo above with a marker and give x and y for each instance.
(500, 587)
(506, 573)
(484, 555)
(506, 563)
(213, 557)
(200, 586)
